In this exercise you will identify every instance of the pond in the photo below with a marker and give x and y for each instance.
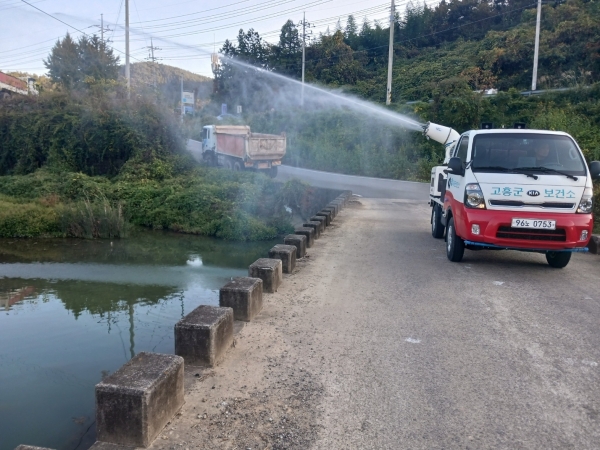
(73, 311)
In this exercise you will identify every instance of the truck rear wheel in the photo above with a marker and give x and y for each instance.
(437, 229)
(558, 260)
(455, 246)
(273, 172)
(237, 167)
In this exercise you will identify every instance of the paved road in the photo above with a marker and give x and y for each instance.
(363, 186)
(500, 351)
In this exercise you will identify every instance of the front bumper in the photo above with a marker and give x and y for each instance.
(495, 229)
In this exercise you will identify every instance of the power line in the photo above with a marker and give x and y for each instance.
(70, 26)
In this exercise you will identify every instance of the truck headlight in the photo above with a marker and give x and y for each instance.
(586, 205)
(474, 196)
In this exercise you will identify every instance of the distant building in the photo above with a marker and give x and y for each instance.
(10, 85)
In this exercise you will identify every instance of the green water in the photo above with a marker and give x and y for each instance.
(72, 311)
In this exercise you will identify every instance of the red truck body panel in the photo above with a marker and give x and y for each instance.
(233, 145)
(496, 227)
(12, 81)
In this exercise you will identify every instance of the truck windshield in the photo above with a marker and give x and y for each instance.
(531, 152)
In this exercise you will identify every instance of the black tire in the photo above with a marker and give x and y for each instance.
(237, 167)
(273, 172)
(437, 229)
(227, 164)
(558, 260)
(455, 246)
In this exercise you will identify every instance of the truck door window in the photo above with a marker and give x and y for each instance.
(463, 147)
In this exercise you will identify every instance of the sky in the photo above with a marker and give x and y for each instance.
(185, 31)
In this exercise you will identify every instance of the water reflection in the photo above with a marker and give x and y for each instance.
(74, 311)
(10, 297)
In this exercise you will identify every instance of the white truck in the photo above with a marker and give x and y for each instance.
(237, 148)
(520, 189)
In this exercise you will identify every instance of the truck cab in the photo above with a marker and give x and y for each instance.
(527, 190)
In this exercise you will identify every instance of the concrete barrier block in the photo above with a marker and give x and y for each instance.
(594, 245)
(31, 447)
(322, 220)
(309, 233)
(327, 215)
(204, 335)
(135, 403)
(244, 295)
(332, 209)
(337, 208)
(287, 255)
(270, 271)
(298, 241)
(108, 446)
(315, 226)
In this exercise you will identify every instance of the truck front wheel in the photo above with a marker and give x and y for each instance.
(558, 260)
(437, 229)
(455, 246)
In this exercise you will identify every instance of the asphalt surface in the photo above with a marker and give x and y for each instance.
(499, 351)
(363, 186)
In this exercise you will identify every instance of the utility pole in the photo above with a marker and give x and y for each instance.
(153, 59)
(102, 27)
(127, 66)
(537, 46)
(303, 57)
(388, 97)
(181, 98)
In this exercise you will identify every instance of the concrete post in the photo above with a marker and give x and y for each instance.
(309, 233)
(327, 215)
(244, 295)
(322, 220)
(204, 335)
(135, 403)
(270, 271)
(315, 226)
(299, 241)
(287, 255)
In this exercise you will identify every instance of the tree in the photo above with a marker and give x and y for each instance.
(351, 30)
(287, 54)
(62, 63)
(73, 63)
(96, 60)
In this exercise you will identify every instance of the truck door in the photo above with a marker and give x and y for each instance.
(456, 183)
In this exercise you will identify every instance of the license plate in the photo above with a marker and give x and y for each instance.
(534, 223)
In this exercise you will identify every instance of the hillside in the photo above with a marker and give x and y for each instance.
(168, 82)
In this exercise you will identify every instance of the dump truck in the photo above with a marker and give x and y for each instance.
(236, 148)
(517, 189)
(10, 85)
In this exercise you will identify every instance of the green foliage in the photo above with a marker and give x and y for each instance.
(76, 64)
(209, 202)
(27, 219)
(95, 134)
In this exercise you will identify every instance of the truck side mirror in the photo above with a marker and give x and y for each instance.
(595, 170)
(455, 167)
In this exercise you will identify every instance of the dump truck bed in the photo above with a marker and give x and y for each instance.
(266, 146)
